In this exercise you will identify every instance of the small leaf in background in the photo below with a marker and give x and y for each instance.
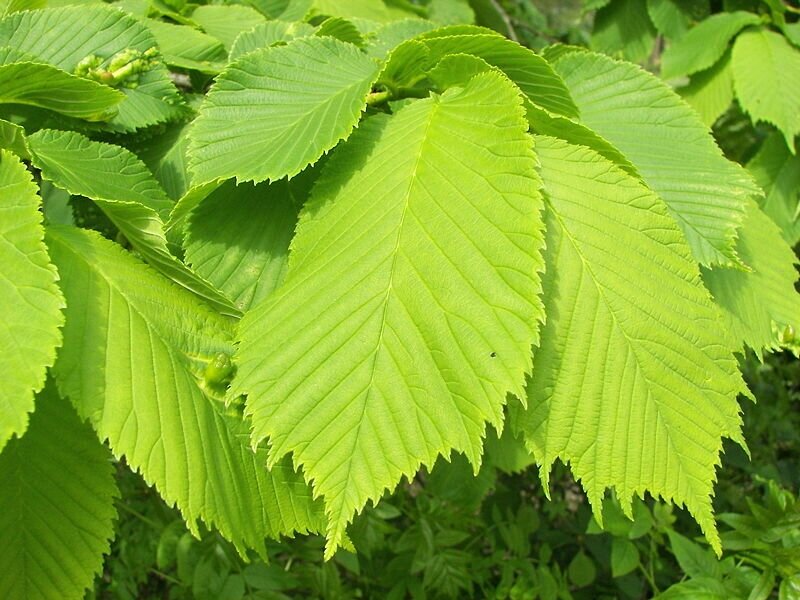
(582, 570)
(624, 557)
(766, 75)
(695, 560)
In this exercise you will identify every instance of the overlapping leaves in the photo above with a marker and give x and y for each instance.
(411, 300)
(135, 353)
(402, 321)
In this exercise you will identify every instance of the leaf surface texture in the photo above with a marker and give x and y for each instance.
(133, 362)
(30, 300)
(56, 505)
(411, 299)
(291, 104)
(621, 374)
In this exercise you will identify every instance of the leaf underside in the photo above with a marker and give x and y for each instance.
(669, 146)
(621, 374)
(759, 304)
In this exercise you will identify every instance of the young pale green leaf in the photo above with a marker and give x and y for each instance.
(777, 171)
(669, 146)
(128, 195)
(623, 28)
(226, 22)
(455, 70)
(96, 170)
(238, 238)
(704, 44)
(341, 29)
(766, 75)
(760, 304)
(534, 76)
(62, 37)
(30, 300)
(410, 303)
(11, 6)
(391, 35)
(268, 34)
(710, 92)
(290, 104)
(56, 505)
(187, 48)
(47, 87)
(545, 123)
(631, 351)
(138, 373)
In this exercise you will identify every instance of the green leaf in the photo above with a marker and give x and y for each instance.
(631, 349)
(374, 10)
(710, 92)
(383, 265)
(673, 17)
(51, 88)
(165, 157)
(126, 193)
(341, 29)
(12, 137)
(777, 171)
(226, 22)
(581, 570)
(187, 48)
(268, 34)
(545, 123)
(623, 28)
(96, 170)
(507, 452)
(624, 557)
(450, 12)
(62, 37)
(490, 13)
(766, 75)
(762, 303)
(764, 586)
(30, 300)
(11, 6)
(284, 122)
(705, 44)
(693, 559)
(669, 146)
(136, 372)
(238, 238)
(56, 505)
(534, 76)
(391, 35)
(701, 588)
(455, 70)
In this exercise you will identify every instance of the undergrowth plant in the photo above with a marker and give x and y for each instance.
(279, 256)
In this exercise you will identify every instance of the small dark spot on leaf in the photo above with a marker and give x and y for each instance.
(493, 355)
